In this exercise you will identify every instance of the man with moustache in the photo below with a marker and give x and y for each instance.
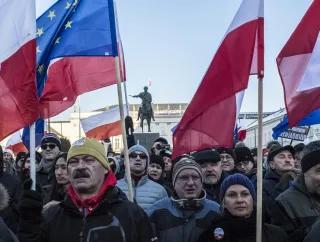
(213, 176)
(94, 209)
(298, 208)
(145, 191)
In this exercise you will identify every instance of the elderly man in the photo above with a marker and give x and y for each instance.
(50, 146)
(183, 217)
(145, 191)
(94, 210)
(299, 207)
(279, 175)
(210, 163)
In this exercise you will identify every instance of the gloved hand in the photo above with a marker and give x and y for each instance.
(31, 203)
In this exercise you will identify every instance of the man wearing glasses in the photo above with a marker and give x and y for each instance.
(145, 191)
(50, 146)
(188, 213)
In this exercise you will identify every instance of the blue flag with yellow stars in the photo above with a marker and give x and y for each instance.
(76, 50)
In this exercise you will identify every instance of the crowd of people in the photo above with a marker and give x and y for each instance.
(207, 195)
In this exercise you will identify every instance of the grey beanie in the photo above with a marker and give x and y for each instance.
(185, 163)
(139, 148)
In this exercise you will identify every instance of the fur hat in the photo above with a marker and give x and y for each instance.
(87, 146)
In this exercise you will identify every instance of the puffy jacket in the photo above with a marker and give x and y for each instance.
(226, 228)
(314, 234)
(115, 219)
(6, 234)
(145, 192)
(174, 221)
(296, 210)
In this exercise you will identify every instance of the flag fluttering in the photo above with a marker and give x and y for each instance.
(18, 95)
(76, 49)
(15, 143)
(298, 65)
(103, 125)
(210, 118)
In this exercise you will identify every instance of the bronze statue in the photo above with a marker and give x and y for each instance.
(145, 109)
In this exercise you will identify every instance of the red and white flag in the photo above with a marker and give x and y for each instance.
(299, 66)
(18, 96)
(210, 118)
(15, 143)
(103, 125)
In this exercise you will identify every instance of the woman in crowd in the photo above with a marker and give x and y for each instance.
(60, 179)
(237, 221)
(156, 170)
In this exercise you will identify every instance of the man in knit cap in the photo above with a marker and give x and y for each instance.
(299, 207)
(185, 215)
(50, 146)
(94, 209)
(227, 159)
(145, 191)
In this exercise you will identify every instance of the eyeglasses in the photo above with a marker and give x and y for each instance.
(187, 178)
(45, 146)
(135, 155)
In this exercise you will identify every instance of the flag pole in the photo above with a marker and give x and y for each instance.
(126, 96)
(33, 155)
(259, 163)
(79, 117)
(123, 129)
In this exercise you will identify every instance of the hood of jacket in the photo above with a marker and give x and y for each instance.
(4, 197)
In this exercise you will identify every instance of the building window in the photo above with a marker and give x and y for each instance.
(116, 144)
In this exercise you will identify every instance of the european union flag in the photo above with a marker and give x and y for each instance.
(76, 46)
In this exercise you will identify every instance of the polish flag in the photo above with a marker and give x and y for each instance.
(210, 118)
(299, 66)
(103, 125)
(18, 96)
(15, 143)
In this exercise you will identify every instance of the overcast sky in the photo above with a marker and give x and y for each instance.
(171, 43)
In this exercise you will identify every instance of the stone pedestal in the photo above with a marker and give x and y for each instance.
(146, 139)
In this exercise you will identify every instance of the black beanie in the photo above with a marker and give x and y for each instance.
(243, 154)
(51, 138)
(207, 156)
(310, 160)
(157, 159)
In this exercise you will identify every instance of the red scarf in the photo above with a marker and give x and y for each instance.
(92, 202)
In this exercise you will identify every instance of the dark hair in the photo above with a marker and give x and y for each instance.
(299, 147)
(57, 192)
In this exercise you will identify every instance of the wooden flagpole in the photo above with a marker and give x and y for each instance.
(259, 161)
(124, 136)
(33, 155)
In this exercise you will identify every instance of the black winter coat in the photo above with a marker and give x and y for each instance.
(115, 219)
(232, 229)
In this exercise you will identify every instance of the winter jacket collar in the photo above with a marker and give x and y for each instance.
(272, 175)
(91, 203)
(190, 204)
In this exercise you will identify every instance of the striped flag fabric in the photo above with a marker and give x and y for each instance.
(210, 118)
(18, 95)
(103, 125)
